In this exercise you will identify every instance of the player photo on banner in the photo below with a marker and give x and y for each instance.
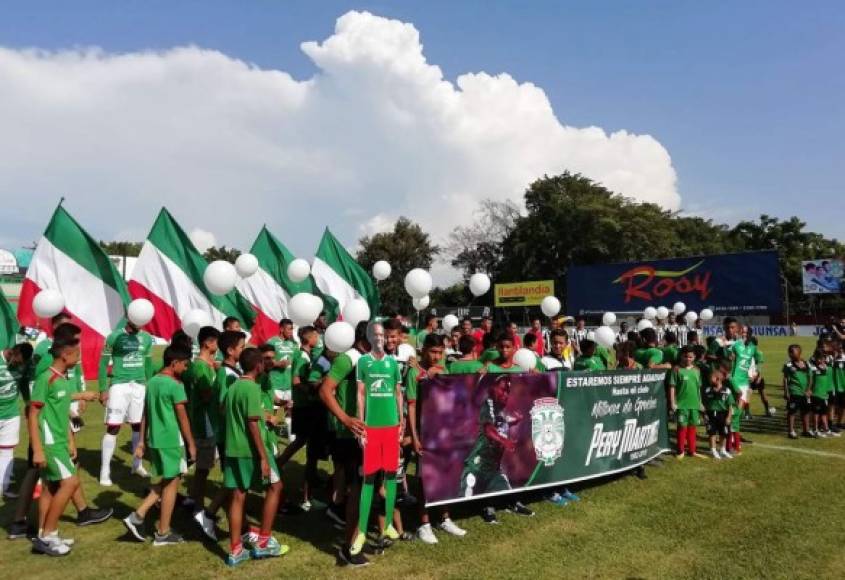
(495, 434)
(822, 276)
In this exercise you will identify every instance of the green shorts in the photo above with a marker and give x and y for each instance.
(59, 465)
(168, 462)
(245, 473)
(687, 417)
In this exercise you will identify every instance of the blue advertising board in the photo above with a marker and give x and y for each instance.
(747, 283)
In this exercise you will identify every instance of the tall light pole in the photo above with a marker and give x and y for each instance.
(786, 295)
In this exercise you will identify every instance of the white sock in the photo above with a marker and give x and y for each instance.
(136, 436)
(7, 456)
(109, 445)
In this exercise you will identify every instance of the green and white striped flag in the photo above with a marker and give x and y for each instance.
(339, 276)
(8, 323)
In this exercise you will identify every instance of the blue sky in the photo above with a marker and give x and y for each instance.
(747, 97)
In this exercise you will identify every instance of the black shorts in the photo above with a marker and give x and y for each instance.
(819, 405)
(348, 455)
(717, 423)
(311, 423)
(840, 400)
(797, 404)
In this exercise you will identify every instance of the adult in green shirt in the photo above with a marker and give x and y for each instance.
(129, 351)
(166, 429)
(281, 375)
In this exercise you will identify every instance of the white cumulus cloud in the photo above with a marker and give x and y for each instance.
(202, 239)
(227, 146)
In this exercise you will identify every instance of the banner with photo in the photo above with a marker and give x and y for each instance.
(495, 434)
(822, 276)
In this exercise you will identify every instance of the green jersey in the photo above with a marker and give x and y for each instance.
(52, 394)
(489, 355)
(130, 355)
(413, 381)
(744, 356)
(589, 363)
(839, 374)
(465, 367)
(718, 401)
(163, 393)
(304, 394)
(43, 360)
(797, 378)
(497, 368)
(380, 377)
(10, 387)
(486, 455)
(243, 403)
(687, 385)
(343, 373)
(648, 356)
(670, 354)
(226, 375)
(201, 385)
(822, 377)
(281, 379)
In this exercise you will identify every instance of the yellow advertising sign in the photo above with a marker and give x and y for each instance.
(523, 293)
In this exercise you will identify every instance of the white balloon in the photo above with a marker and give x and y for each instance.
(298, 270)
(381, 270)
(194, 320)
(418, 283)
(691, 317)
(340, 336)
(302, 309)
(662, 313)
(679, 308)
(550, 306)
(643, 324)
(706, 314)
(450, 321)
(591, 335)
(608, 319)
(48, 303)
(140, 311)
(605, 336)
(650, 313)
(356, 311)
(421, 303)
(246, 265)
(525, 359)
(220, 277)
(479, 284)
(316, 305)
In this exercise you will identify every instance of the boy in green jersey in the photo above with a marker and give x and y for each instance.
(129, 350)
(166, 429)
(380, 408)
(53, 446)
(839, 385)
(249, 462)
(588, 360)
(685, 401)
(649, 356)
(468, 363)
(339, 393)
(281, 375)
(504, 349)
(821, 390)
(796, 390)
(204, 410)
(670, 347)
(13, 384)
(718, 404)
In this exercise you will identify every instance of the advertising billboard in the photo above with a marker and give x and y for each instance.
(727, 283)
(822, 276)
(523, 293)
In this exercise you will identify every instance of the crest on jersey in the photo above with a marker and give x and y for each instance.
(547, 430)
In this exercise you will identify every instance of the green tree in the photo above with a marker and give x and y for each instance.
(455, 295)
(405, 248)
(476, 247)
(128, 249)
(221, 253)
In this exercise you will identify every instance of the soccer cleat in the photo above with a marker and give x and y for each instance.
(233, 560)
(206, 524)
(354, 560)
(50, 545)
(715, 454)
(358, 544)
(273, 549)
(521, 509)
(793, 435)
(140, 471)
(570, 496)
(558, 499)
(335, 513)
(391, 533)
(426, 534)
(134, 524)
(727, 454)
(488, 514)
(90, 516)
(167, 539)
(19, 530)
(450, 527)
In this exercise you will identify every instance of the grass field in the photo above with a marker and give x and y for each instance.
(774, 512)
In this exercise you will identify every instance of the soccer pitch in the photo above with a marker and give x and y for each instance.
(776, 511)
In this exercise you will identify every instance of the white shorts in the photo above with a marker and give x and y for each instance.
(10, 430)
(283, 395)
(125, 404)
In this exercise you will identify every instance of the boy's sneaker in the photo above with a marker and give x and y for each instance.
(450, 527)
(135, 526)
(426, 534)
(140, 471)
(358, 544)
(727, 454)
(715, 454)
(569, 495)
(233, 560)
(391, 533)
(206, 524)
(90, 516)
(167, 539)
(19, 530)
(794, 435)
(51, 545)
(488, 514)
(558, 499)
(521, 509)
(336, 513)
(250, 538)
(833, 432)
(105, 481)
(273, 549)
(305, 506)
(354, 560)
